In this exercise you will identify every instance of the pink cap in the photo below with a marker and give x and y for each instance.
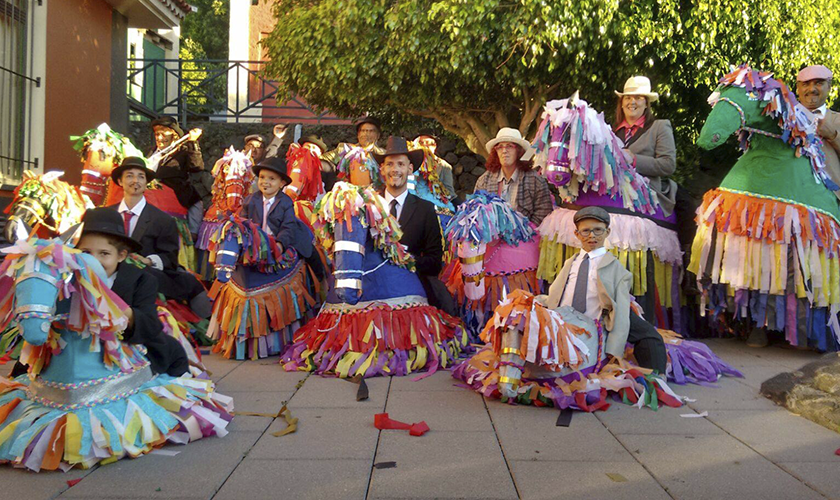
(818, 72)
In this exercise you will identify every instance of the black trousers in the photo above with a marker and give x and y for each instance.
(648, 346)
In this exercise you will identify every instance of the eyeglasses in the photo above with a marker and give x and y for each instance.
(598, 231)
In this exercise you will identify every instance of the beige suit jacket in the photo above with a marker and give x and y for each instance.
(613, 293)
(828, 130)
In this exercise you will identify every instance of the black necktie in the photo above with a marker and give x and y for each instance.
(394, 208)
(579, 297)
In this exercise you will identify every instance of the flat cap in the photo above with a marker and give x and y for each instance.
(818, 72)
(596, 213)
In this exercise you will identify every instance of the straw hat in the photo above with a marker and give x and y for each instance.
(638, 85)
(508, 134)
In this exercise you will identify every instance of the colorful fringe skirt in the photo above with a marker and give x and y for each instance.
(251, 323)
(772, 262)
(49, 426)
(396, 337)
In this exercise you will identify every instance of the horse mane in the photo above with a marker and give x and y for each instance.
(357, 157)
(799, 128)
(257, 248)
(346, 202)
(595, 154)
(65, 203)
(310, 172)
(95, 310)
(428, 171)
(103, 138)
(486, 217)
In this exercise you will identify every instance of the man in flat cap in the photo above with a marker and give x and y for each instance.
(596, 284)
(813, 85)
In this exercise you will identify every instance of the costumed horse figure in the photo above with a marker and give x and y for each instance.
(425, 183)
(582, 156)
(306, 186)
(768, 241)
(50, 206)
(376, 319)
(233, 179)
(261, 295)
(498, 252)
(45, 203)
(535, 355)
(357, 166)
(102, 150)
(88, 397)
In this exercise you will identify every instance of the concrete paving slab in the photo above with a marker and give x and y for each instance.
(821, 476)
(589, 480)
(258, 402)
(625, 419)
(714, 466)
(262, 375)
(322, 392)
(442, 410)
(22, 483)
(780, 435)
(730, 394)
(441, 465)
(322, 433)
(755, 375)
(530, 433)
(297, 479)
(219, 366)
(243, 423)
(199, 470)
(441, 380)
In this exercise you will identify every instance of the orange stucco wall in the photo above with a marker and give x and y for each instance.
(78, 78)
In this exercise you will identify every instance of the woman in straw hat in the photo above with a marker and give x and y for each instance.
(510, 175)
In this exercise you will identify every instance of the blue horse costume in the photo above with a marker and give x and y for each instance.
(88, 397)
(376, 319)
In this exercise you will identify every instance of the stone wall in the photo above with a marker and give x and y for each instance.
(216, 137)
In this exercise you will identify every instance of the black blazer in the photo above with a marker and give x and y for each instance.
(157, 233)
(288, 230)
(139, 290)
(422, 234)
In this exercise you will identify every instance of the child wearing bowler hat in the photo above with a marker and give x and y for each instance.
(274, 211)
(595, 283)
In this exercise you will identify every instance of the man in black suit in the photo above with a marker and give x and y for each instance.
(157, 234)
(417, 219)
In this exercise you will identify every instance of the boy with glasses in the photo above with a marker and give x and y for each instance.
(595, 283)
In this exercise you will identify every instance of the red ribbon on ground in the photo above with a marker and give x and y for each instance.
(382, 421)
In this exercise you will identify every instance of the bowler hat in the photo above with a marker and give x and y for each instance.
(132, 163)
(596, 213)
(108, 221)
(399, 146)
(168, 122)
(276, 164)
(314, 139)
(368, 119)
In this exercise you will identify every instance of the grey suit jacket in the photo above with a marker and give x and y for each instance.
(656, 159)
(828, 130)
(614, 283)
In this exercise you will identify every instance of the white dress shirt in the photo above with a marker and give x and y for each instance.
(593, 305)
(820, 112)
(136, 211)
(400, 202)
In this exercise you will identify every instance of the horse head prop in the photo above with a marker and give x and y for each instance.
(305, 172)
(46, 203)
(101, 150)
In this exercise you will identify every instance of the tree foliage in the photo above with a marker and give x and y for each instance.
(478, 65)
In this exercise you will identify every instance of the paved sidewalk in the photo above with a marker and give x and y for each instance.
(745, 448)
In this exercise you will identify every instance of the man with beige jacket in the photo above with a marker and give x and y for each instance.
(595, 283)
(813, 85)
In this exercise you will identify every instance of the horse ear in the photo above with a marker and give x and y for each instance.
(22, 230)
(72, 236)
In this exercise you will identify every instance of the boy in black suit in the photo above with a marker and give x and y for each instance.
(274, 211)
(417, 219)
(157, 235)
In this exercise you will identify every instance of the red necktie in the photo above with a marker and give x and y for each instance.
(127, 222)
